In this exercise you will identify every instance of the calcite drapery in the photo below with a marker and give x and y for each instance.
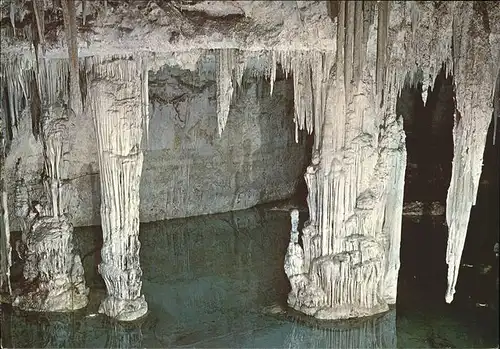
(5, 247)
(115, 101)
(52, 270)
(355, 182)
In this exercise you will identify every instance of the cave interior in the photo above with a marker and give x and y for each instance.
(329, 169)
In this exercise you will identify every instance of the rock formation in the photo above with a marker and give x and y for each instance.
(348, 61)
(5, 247)
(52, 271)
(116, 102)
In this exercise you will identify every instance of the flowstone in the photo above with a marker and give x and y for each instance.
(53, 272)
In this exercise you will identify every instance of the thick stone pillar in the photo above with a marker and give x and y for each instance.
(348, 263)
(115, 102)
(350, 260)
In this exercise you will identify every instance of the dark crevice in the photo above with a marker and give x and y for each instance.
(429, 139)
(333, 9)
(429, 142)
(36, 109)
(8, 121)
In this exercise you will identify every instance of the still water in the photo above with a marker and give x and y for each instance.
(213, 282)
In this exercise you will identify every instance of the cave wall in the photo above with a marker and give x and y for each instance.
(188, 169)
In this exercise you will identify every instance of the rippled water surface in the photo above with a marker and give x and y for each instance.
(214, 281)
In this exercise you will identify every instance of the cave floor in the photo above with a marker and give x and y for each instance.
(214, 281)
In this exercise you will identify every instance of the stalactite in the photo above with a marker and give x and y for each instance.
(496, 106)
(84, 11)
(39, 12)
(145, 97)
(13, 16)
(5, 247)
(36, 112)
(472, 118)
(15, 75)
(69, 15)
(383, 14)
(116, 105)
(358, 41)
(226, 64)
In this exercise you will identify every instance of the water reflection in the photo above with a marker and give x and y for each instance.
(54, 330)
(374, 332)
(208, 281)
(124, 336)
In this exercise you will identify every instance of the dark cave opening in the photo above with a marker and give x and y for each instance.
(429, 139)
(429, 143)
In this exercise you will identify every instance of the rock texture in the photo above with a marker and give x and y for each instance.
(116, 101)
(53, 273)
(351, 243)
(474, 93)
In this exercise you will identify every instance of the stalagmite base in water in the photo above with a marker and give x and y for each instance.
(116, 105)
(53, 273)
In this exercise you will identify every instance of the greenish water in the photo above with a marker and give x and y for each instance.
(207, 280)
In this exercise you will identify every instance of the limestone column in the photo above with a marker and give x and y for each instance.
(53, 272)
(115, 101)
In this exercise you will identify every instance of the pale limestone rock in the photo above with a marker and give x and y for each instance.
(351, 241)
(5, 246)
(474, 91)
(52, 271)
(115, 101)
(54, 274)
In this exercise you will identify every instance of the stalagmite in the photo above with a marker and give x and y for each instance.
(115, 101)
(350, 254)
(224, 86)
(69, 15)
(53, 271)
(474, 89)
